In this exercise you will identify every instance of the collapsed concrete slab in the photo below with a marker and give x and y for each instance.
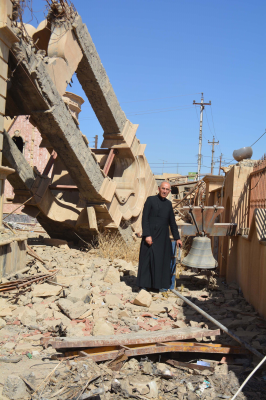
(111, 184)
(95, 83)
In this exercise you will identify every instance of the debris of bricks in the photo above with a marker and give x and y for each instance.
(92, 296)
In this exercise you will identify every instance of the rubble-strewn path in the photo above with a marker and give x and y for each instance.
(97, 296)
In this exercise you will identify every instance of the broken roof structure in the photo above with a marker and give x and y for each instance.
(112, 183)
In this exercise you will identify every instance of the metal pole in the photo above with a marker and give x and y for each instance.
(212, 164)
(18, 207)
(200, 136)
(202, 104)
(96, 142)
(221, 156)
(221, 326)
(213, 143)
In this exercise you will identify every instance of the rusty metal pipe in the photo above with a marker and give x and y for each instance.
(217, 323)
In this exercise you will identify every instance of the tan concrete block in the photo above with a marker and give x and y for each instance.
(1, 141)
(3, 69)
(112, 275)
(3, 85)
(2, 123)
(143, 299)
(2, 105)
(4, 51)
(102, 327)
(9, 7)
(46, 290)
(6, 8)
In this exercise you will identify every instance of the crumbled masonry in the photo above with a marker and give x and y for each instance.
(93, 296)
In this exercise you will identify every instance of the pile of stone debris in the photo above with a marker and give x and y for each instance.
(92, 296)
(84, 379)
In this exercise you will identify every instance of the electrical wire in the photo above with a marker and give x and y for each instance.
(167, 163)
(259, 138)
(156, 98)
(216, 137)
(228, 163)
(160, 98)
(143, 113)
(208, 122)
(189, 165)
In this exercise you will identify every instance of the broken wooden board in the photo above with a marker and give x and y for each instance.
(65, 344)
(113, 352)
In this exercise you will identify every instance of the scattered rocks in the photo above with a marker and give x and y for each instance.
(73, 310)
(15, 388)
(102, 327)
(78, 294)
(46, 290)
(112, 275)
(112, 300)
(143, 299)
(28, 317)
(101, 299)
(2, 323)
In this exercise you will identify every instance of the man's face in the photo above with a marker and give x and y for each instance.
(164, 189)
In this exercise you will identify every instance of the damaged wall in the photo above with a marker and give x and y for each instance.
(242, 258)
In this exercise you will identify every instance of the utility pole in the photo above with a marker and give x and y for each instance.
(213, 144)
(201, 104)
(96, 141)
(221, 156)
(164, 161)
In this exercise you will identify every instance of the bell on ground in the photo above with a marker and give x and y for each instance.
(200, 255)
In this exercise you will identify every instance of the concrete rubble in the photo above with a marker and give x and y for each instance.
(93, 296)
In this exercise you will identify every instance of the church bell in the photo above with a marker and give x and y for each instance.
(200, 254)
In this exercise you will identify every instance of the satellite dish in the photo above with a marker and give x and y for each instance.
(243, 153)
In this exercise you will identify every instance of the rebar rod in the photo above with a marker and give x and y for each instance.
(217, 323)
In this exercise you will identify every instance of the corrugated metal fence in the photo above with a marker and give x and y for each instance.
(257, 188)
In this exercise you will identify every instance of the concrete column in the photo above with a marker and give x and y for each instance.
(7, 38)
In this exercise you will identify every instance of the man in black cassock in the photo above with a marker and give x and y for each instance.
(156, 250)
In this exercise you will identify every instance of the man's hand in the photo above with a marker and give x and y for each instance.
(179, 243)
(148, 240)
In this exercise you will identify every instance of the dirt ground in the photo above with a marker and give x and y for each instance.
(92, 296)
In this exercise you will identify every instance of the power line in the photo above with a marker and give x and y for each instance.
(208, 122)
(214, 129)
(144, 112)
(159, 98)
(258, 138)
(156, 98)
(228, 163)
(173, 163)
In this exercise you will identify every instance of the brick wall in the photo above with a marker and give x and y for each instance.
(35, 155)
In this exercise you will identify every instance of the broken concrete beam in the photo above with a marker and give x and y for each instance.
(95, 83)
(133, 338)
(58, 126)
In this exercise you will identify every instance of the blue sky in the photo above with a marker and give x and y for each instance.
(161, 54)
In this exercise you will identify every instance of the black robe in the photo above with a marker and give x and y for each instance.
(154, 260)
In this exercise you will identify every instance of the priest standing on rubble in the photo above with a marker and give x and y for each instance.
(156, 250)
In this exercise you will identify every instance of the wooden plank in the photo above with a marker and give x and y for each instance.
(154, 349)
(133, 338)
